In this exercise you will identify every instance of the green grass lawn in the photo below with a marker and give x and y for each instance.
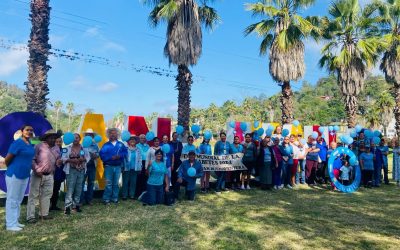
(304, 218)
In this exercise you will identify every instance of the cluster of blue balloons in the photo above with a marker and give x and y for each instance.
(346, 139)
(333, 128)
(150, 136)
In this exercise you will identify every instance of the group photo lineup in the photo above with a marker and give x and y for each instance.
(200, 124)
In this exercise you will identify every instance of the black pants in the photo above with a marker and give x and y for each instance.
(345, 182)
(188, 193)
(141, 182)
(56, 191)
(320, 174)
(367, 177)
(174, 173)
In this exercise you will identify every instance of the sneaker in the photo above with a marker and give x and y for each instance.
(67, 211)
(14, 229)
(280, 187)
(115, 202)
(248, 187)
(31, 220)
(218, 192)
(288, 186)
(276, 187)
(242, 187)
(203, 190)
(20, 225)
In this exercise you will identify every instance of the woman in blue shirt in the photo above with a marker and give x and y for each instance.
(132, 168)
(222, 147)
(266, 160)
(19, 164)
(236, 148)
(367, 165)
(287, 155)
(158, 174)
(249, 160)
(205, 149)
(189, 147)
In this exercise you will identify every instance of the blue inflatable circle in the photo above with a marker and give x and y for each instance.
(357, 179)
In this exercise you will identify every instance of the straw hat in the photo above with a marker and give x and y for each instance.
(48, 133)
(89, 131)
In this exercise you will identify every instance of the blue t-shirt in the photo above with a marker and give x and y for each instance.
(312, 156)
(384, 149)
(287, 151)
(157, 171)
(222, 148)
(368, 160)
(337, 163)
(238, 149)
(21, 164)
(188, 148)
(323, 150)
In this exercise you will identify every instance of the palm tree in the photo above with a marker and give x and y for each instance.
(57, 106)
(184, 41)
(385, 104)
(372, 116)
(353, 47)
(36, 86)
(70, 110)
(389, 11)
(283, 32)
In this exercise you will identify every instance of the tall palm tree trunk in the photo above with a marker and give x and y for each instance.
(396, 109)
(287, 103)
(184, 85)
(351, 108)
(36, 86)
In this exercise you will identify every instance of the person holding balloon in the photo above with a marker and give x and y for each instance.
(266, 160)
(75, 160)
(188, 173)
(132, 167)
(301, 155)
(113, 154)
(90, 175)
(378, 161)
(249, 160)
(277, 167)
(236, 148)
(205, 149)
(19, 165)
(151, 154)
(287, 163)
(278, 134)
(222, 147)
(322, 161)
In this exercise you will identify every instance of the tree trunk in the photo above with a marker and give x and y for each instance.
(36, 86)
(287, 103)
(396, 110)
(184, 85)
(351, 108)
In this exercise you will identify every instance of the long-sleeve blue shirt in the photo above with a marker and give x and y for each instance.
(323, 150)
(222, 148)
(191, 181)
(109, 150)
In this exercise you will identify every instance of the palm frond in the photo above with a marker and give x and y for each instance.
(209, 17)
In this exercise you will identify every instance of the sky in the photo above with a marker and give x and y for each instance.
(230, 67)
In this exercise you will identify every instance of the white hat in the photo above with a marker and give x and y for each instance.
(89, 131)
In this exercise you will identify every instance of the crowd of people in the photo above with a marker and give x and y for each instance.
(152, 171)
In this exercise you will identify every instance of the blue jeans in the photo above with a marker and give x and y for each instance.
(154, 195)
(286, 173)
(220, 180)
(377, 175)
(111, 191)
(190, 194)
(129, 183)
(90, 176)
(74, 187)
(302, 173)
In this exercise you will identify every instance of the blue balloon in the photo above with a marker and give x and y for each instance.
(285, 132)
(166, 148)
(349, 140)
(243, 126)
(260, 131)
(369, 134)
(296, 123)
(358, 128)
(179, 129)
(207, 135)
(87, 141)
(150, 136)
(271, 127)
(195, 128)
(256, 124)
(268, 133)
(314, 135)
(376, 140)
(353, 134)
(98, 138)
(68, 138)
(125, 135)
(321, 130)
(191, 172)
(303, 141)
(330, 128)
(336, 128)
(232, 124)
(377, 133)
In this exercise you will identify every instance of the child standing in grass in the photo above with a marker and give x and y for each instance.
(345, 171)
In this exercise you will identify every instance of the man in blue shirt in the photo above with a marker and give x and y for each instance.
(112, 154)
(323, 151)
(188, 181)
(385, 151)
